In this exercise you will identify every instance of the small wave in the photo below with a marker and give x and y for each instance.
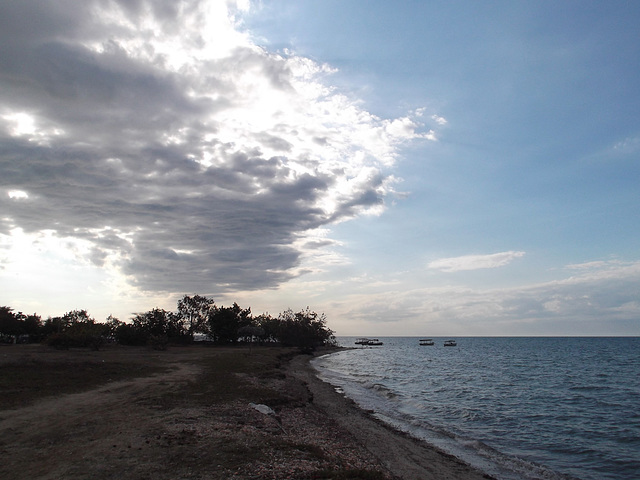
(538, 399)
(382, 389)
(474, 452)
(588, 388)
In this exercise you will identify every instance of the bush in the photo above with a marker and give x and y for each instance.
(60, 341)
(127, 334)
(66, 340)
(159, 342)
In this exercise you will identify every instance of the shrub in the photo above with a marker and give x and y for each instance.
(127, 334)
(159, 342)
(60, 341)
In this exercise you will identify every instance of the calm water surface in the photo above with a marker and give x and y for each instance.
(518, 408)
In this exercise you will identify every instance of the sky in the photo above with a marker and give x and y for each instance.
(406, 168)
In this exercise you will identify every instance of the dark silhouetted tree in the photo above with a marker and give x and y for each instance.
(270, 326)
(14, 325)
(32, 325)
(226, 322)
(77, 316)
(112, 324)
(125, 333)
(9, 323)
(130, 334)
(194, 312)
(251, 334)
(76, 329)
(305, 329)
(159, 326)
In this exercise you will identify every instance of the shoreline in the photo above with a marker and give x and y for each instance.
(189, 412)
(404, 456)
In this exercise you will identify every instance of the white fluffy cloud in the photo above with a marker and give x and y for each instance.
(475, 262)
(179, 152)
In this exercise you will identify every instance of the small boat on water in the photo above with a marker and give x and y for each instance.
(450, 343)
(368, 342)
(427, 342)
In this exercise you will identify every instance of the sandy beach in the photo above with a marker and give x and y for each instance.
(192, 413)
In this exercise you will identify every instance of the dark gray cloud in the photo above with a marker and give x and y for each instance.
(170, 170)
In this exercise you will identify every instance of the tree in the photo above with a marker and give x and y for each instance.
(159, 323)
(129, 334)
(250, 333)
(225, 322)
(305, 329)
(112, 324)
(269, 325)
(76, 329)
(194, 312)
(18, 326)
(9, 323)
(32, 325)
(77, 316)
(61, 324)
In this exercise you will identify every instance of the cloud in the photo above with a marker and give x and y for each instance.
(628, 146)
(439, 120)
(182, 154)
(474, 262)
(17, 194)
(570, 305)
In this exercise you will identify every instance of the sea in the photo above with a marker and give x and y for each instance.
(517, 408)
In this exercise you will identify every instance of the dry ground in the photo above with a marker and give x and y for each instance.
(134, 413)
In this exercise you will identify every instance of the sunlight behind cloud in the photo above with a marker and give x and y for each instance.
(176, 37)
(20, 123)
(32, 264)
(213, 160)
(18, 194)
(25, 125)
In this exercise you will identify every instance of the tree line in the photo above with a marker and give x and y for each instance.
(196, 317)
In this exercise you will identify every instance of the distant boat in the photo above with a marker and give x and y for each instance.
(370, 342)
(450, 343)
(426, 342)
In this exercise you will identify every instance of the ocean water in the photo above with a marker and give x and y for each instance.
(517, 408)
